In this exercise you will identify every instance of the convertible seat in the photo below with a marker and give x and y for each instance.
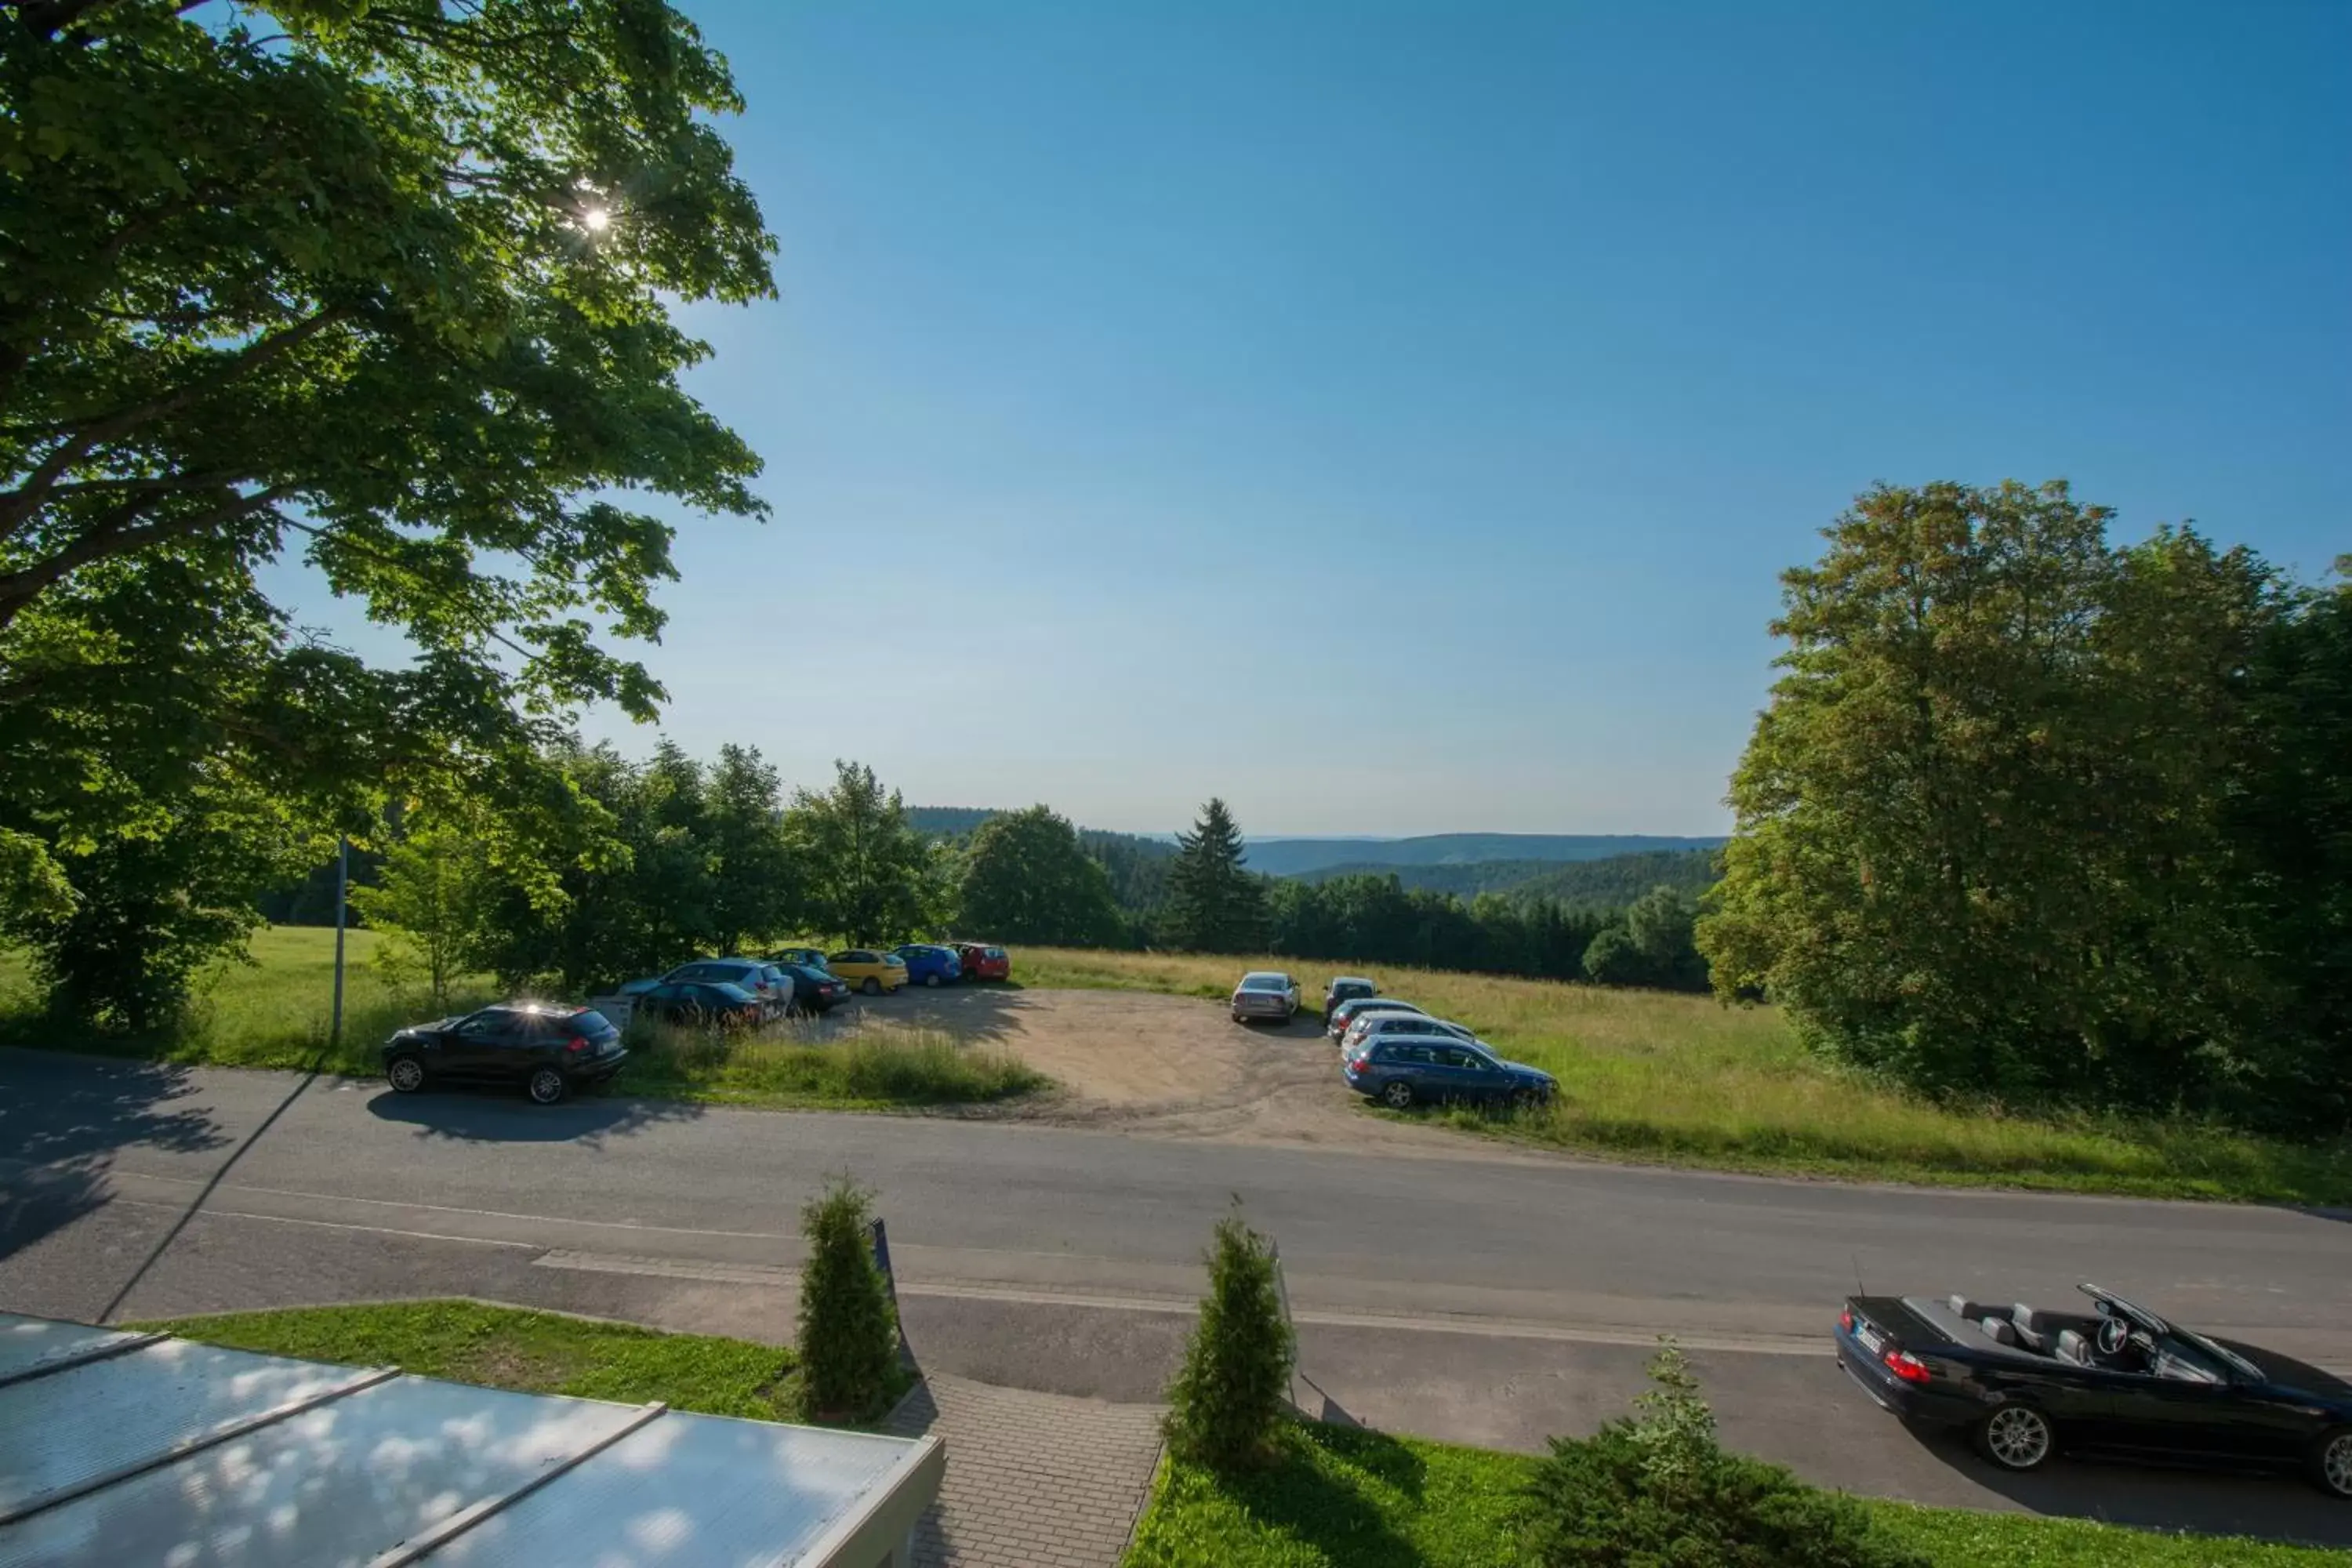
(2073, 1347)
(2000, 1331)
(1964, 1308)
(2032, 1331)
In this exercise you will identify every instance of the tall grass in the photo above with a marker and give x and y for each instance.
(276, 1012)
(804, 1062)
(1655, 1076)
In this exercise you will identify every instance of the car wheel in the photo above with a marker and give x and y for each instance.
(405, 1073)
(932, 978)
(1526, 1099)
(1397, 1095)
(2016, 1437)
(872, 987)
(546, 1087)
(2331, 1462)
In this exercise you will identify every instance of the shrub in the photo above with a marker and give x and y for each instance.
(1659, 1491)
(848, 1334)
(1226, 1400)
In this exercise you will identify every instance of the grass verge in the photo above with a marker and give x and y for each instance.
(275, 1012)
(1344, 1498)
(1659, 1076)
(533, 1352)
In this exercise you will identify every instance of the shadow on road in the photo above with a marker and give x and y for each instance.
(2271, 1507)
(970, 1013)
(62, 1118)
(495, 1116)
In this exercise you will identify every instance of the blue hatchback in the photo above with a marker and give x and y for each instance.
(928, 966)
(1401, 1069)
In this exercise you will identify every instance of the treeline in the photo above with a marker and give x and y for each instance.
(1609, 883)
(2035, 817)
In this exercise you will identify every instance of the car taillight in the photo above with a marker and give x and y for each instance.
(576, 1043)
(1907, 1366)
(1845, 1319)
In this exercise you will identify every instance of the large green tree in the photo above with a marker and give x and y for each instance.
(1214, 904)
(381, 285)
(1983, 827)
(1026, 878)
(871, 879)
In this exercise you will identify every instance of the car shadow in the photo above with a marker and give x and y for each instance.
(2148, 1497)
(62, 1119)
(504, 1115)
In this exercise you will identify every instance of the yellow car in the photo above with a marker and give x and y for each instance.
(872, 973)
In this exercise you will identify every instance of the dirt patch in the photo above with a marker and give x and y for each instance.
(1168, 1066)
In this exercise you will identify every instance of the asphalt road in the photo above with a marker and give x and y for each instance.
(1494, 1297)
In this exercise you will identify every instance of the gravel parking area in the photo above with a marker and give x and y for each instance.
(1171, 1066)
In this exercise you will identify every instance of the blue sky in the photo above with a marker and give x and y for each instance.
(1156, 388)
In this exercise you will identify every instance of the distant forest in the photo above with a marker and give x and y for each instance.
(1538, 914)
(1608, 884)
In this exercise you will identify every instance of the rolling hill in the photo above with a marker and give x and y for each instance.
(1296, 857)
(1609, 883)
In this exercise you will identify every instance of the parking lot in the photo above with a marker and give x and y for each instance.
(1172, 1065)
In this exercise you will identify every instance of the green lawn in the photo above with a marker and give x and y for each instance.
(1655, 1076)
(275, 1013)
(536, 1352)
(1344, 1498)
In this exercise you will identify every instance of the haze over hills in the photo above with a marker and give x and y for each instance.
(1611, 882)
(1296, 857)
(1466, 863)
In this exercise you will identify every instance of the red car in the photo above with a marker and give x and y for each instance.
(981, 962)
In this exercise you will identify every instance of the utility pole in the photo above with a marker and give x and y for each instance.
(343, 891)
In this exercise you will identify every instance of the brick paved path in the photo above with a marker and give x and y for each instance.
(1033, 1480)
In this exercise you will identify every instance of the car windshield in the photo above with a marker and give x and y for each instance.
(2228, 1358)
(1266, 982)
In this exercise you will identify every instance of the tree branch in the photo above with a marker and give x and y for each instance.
(112, 536)
(20, 503)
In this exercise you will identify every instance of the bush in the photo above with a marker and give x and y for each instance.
(1659, 1491)
(1225, 1404)
(848, 1333)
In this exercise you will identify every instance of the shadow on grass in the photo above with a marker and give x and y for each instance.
(62, 1119)
(504, 1115)
(1316, 1494)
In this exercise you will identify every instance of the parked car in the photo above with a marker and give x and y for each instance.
(817, 990)
(806, 957)
(929, 965)
(1266, 993)
(763, 978)
(2024, 1384)
(545, 1050)
(872, 973)
(1347, 1012)
(1400, 1071)
(1378, 1025)
(706, 1003)
(983, 960)
(1345, 988)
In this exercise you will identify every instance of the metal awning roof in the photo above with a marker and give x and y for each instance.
(133, 1449)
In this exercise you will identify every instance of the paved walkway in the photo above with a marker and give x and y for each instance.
(1033, 1480)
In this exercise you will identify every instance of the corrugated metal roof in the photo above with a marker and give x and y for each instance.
(187, 1455)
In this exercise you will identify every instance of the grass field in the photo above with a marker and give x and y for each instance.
(1659, 1076)
(536, 1352)
(275, 1013)
(1343, 1499)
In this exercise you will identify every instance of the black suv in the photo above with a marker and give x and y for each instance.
(543, 1048)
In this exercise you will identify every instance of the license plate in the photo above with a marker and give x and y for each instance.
(1869, 1338)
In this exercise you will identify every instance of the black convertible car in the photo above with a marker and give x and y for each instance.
(2119, 1380)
